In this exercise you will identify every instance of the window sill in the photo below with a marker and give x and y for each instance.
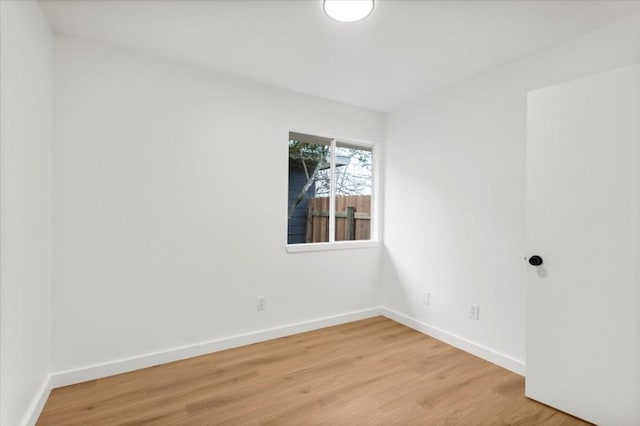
(338, 245)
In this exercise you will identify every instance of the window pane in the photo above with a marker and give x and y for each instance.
(353, 192)
(309, 188)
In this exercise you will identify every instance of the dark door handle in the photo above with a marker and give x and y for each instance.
(535, 260)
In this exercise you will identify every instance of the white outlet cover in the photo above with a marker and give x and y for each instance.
(474, 312)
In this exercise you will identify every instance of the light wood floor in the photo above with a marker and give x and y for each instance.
(370, 372)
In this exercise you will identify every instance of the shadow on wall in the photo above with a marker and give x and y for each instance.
(396, 294)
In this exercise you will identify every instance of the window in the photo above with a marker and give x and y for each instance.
(330, 190)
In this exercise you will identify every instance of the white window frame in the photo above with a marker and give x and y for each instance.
(375, 210)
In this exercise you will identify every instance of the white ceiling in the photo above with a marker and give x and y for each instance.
(404, 50)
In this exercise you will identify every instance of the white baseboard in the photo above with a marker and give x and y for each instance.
(98, 371)
(466, 345)
(38, 403)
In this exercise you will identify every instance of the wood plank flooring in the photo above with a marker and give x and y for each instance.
(369, 372)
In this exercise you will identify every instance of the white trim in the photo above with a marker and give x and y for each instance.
(505, 361)
(376, 192)
(346, 139)
(31, 417)
(93, 372)
(332, 193)
(336, 245)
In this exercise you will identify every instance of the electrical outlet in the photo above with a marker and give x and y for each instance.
(474, 312)
(426, 298)
(261, 303)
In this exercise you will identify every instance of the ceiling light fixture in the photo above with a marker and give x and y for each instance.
(347, 10)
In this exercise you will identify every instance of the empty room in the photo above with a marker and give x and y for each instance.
(319, 212)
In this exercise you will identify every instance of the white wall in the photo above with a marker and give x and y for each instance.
(170, 205)
(455, 194)
(25, 209)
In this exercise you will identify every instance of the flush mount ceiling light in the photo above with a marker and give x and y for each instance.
(347, 10)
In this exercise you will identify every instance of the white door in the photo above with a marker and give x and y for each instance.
(583, 220)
